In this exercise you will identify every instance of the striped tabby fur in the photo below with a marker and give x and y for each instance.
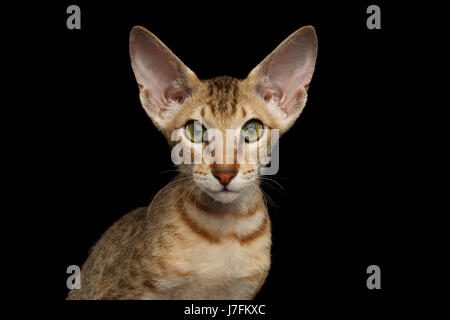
(196, 240)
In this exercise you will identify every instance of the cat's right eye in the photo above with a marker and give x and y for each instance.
(195, 131)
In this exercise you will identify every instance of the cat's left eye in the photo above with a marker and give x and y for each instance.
(252, 130)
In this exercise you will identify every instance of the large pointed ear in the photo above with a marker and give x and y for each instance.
(165, 83)
(282, 78)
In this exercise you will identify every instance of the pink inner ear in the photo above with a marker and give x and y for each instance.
(177, 95)
(271, 93)
(285, 74)
(160, 110)
(158, 71)
(290, 103)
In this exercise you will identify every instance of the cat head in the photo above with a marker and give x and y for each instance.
(194, 114)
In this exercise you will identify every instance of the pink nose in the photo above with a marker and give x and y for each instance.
(224, 174)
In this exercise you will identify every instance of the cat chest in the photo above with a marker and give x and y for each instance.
(228, 259)
(227, 270)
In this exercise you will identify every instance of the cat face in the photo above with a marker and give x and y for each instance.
(241, 127)
(224, 124)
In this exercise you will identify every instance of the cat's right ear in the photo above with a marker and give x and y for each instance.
(281, 80)
(165, 83)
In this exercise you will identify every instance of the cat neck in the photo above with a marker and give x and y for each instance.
(244, 219)
(243, 204)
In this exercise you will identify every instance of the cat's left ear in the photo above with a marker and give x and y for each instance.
(282, 78)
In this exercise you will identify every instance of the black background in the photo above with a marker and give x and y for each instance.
(345, 165)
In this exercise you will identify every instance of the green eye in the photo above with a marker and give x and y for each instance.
(252, 130)
(195, 131)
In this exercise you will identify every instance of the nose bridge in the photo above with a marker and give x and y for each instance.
(224, 145)
(224, 167)
(230, 145)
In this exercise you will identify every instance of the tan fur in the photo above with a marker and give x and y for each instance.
(186, 244)
(157, 255)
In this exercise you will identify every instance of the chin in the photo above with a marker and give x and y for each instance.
(224, 196)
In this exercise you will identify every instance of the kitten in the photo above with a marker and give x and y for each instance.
(207, 234)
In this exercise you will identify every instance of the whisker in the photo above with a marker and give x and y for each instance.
(272, 187)
(191, 190)
(266, 179)
(170, 170)
(265, 195)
